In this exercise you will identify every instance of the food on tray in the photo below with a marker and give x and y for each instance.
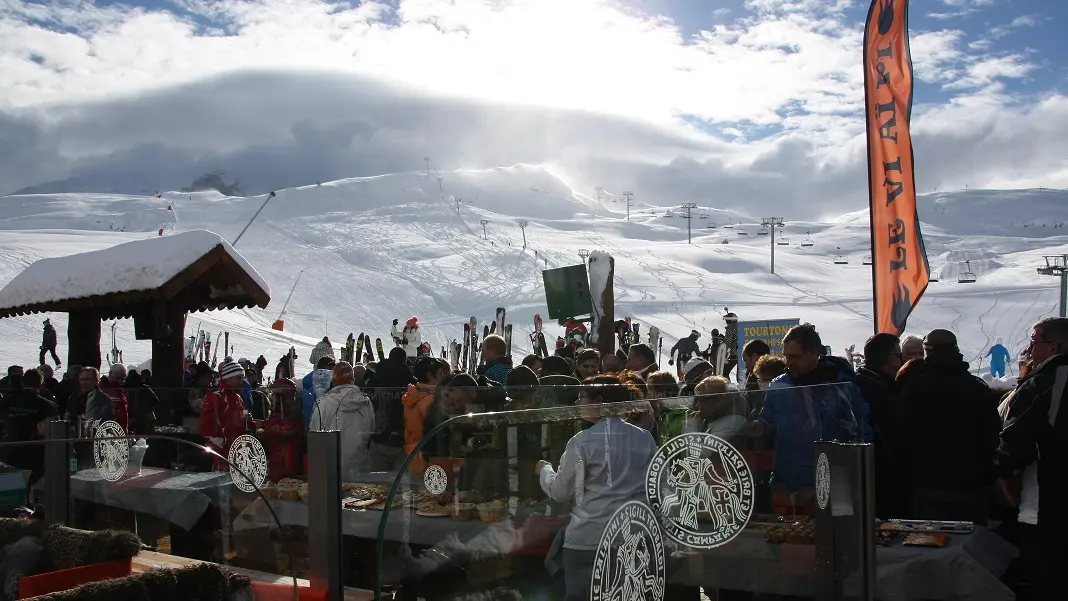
(269, 491)
(358, 503)
(885, 538)
(289, 489)
(928, 526)
(492, 511)
(462, 512)
(927, 539)
(797, 533)
(433, 514)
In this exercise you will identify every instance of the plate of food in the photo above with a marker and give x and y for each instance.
(927, 539)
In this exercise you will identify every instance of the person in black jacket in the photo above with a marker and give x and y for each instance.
(386, 388)
(1034, 436)
(882, 360)
(142, 403)
(948, 430)
(21, 411)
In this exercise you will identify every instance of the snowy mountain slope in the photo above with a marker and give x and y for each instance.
(378, 248)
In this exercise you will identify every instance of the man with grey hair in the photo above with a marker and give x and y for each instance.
(1033, 456)
(911, 348)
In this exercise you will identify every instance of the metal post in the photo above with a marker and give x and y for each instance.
(628, 196)
(325, 547)
(845, 512)
(772, 222)
(262, 206)
(57, 473)
(689, 207)
(484, 222)
(523, 226)
(1064, 293)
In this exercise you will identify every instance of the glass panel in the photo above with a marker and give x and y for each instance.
(176, 489)
(717, 493)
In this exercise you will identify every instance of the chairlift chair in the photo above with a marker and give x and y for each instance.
(703, 216)
(711, 226)
(742, 232)
(867, 260)
(762, 231)
(783, 241)
(841, 259)
(966, 276)
(807, 241)
(728, 225)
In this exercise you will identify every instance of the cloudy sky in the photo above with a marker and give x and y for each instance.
(725, 102)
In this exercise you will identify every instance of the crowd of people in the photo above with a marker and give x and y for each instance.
(946, 445)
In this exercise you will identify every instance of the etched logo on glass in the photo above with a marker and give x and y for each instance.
(630, 564)
(702, 489)
(247, 458)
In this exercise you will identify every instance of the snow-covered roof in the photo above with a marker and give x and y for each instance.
(139, 268)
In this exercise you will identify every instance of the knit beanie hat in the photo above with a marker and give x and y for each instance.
(230, 370)
(323, 349)
(342, 373)
(412, 323)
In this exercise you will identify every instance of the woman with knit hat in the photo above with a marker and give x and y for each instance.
(223, 416)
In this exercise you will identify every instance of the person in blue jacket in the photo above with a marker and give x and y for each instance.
(314, 386)
(999, 358)
(814, 400)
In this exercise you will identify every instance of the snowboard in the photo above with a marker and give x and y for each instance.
(381, 351)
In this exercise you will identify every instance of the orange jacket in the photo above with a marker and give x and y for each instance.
(417, 402)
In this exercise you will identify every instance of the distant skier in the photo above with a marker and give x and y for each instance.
(731, 340)
(999, 357)
(48, 343)
(686, 349)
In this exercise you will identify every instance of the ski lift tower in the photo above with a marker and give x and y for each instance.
(523, 223)
(772, 222)
(484, 222)
(688, 207)
(1058, 265)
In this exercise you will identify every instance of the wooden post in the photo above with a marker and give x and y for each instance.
(606, 329)
(168, 361)
(83, 340)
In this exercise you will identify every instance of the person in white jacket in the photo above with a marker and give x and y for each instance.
(346, 408)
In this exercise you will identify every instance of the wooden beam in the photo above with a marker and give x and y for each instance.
(83, 340)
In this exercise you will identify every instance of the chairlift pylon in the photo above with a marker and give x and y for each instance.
(841, 259)
(807, 241)
(966, 276)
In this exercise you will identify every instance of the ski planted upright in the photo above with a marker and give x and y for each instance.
(465, 354)
(347, 353)
(654, 337)
(357, 353)
(508, 339)
(538, 337)
(381, 351)
(472, 361)
(499, 319)
(226, 343)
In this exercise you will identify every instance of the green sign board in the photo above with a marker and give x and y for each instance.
(567, 292)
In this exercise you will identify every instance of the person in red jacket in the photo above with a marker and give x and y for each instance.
(223, 416)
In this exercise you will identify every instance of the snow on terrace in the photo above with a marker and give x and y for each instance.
(140, 265)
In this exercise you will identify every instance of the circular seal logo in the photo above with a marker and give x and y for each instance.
(247, 455)
(630, 564)
(111, 450)
(702, 489)
(435, 479)
(823, 480)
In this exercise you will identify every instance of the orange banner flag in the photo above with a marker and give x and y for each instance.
(899, 270)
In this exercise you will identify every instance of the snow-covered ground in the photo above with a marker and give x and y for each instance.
(395, 246)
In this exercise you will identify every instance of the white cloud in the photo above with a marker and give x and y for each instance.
(284, 92)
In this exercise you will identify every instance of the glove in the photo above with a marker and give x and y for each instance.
(396, 321)
(671, 362)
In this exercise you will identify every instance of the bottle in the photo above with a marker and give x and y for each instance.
(72, 459)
